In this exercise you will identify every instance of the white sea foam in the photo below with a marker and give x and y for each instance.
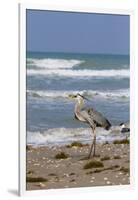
(49, 63)
(60, 136)
(81, 73)
(121, 93)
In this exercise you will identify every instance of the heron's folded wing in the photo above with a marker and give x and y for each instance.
(96, 117)
(84, 113)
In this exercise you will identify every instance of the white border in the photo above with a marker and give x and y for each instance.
(22, 100)
(22, 96)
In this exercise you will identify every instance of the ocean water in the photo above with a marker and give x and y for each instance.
(52, 77)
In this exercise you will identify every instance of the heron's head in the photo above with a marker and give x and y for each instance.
(78, 97)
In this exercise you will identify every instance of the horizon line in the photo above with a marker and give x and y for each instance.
(96, 53)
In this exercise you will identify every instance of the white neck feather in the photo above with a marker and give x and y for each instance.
(79, 104)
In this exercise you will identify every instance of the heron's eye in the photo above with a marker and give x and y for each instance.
(75, 96)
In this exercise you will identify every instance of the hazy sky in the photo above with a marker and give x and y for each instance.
(77, 32)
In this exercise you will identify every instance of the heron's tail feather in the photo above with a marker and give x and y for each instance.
(108, 125)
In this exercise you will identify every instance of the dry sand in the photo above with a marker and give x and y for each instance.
(44, 171)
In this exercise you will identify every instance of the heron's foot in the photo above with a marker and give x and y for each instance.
(93, 156)
(90, 156)
(96, 155)
(85, 158)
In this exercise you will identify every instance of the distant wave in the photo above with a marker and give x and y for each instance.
(49, 63)
(60, 136)
(81, 73)
(122, 93)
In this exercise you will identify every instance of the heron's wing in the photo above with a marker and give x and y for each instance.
(85, 115)
(96, 117)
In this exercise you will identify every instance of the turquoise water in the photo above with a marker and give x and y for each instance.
(52, 77)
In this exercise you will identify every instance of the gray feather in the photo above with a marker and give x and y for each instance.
(96, 117)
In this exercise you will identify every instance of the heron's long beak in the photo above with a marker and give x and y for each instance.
(84, 97)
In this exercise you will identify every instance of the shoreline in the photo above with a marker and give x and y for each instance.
(67, 167)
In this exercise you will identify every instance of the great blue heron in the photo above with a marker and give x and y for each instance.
(90, 116)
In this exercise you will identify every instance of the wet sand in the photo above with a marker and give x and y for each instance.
(45, 170)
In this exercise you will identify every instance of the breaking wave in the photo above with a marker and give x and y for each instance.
(81, 73)
(122, 94)
(60, 136)
(49, 63)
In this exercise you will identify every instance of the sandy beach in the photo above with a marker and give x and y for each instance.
(67, 166)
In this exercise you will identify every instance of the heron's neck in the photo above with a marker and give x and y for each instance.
(79, 105)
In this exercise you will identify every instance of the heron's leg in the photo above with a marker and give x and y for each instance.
(91, 149)
(92, 145)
